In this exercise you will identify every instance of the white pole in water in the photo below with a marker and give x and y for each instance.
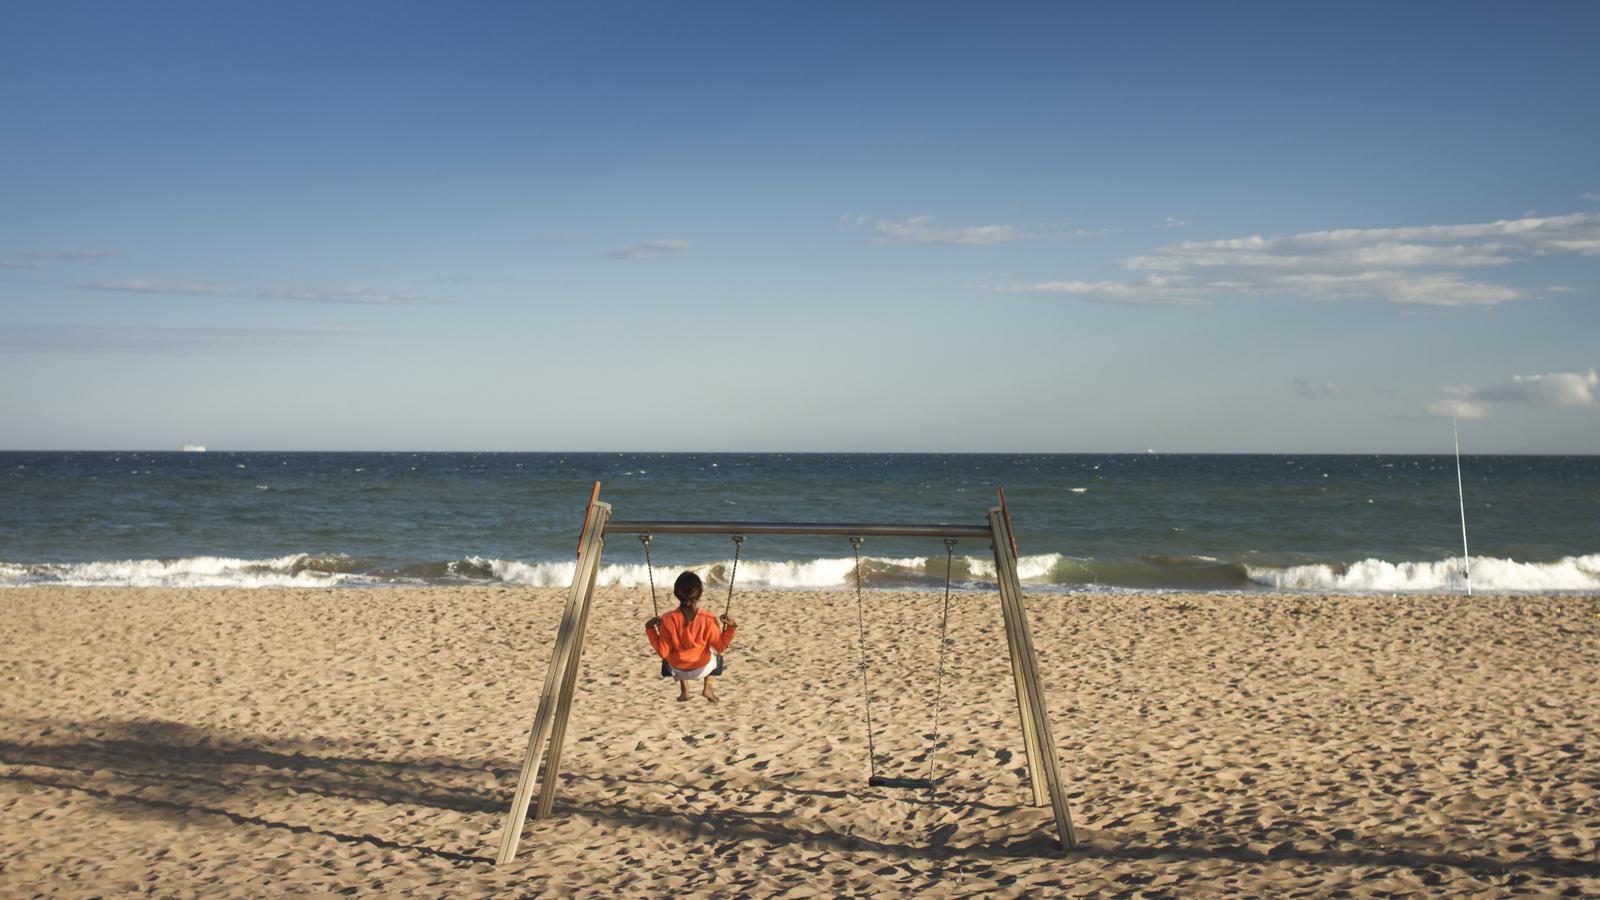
(1466, 560)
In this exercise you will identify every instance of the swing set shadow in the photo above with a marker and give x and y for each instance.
(105, 769)
(555, 699)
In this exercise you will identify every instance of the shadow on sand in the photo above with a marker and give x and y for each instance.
(131, 755)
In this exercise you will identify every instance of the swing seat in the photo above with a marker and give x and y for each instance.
(912, 783)
(722, 664)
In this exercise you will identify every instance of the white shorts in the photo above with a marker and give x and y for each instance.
(695, 674)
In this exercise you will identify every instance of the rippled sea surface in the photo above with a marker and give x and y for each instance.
(1137, 522)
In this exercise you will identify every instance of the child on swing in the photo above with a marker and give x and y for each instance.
(690, 639)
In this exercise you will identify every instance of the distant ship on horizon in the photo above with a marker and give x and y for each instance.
(194, 448)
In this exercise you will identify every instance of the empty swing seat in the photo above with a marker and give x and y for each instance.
(912, 783)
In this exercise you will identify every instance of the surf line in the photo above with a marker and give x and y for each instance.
(1461, 498)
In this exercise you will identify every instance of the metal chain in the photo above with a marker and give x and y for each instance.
(651, 569)
(944, 641)
(866, 690)
(738, 542)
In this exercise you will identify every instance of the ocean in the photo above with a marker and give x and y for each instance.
(1121, 522)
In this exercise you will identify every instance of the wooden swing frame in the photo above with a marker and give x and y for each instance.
(555, 700)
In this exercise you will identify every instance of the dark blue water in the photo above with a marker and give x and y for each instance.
(1131, 521)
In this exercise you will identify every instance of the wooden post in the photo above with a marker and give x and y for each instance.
(1030, 740)
(552, 756)
(560, 657)
(1023, 657)
(1005, 554)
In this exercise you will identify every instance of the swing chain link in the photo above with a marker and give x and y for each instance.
(738, 544)
(650, 569)
(944, 642)
(866, 690)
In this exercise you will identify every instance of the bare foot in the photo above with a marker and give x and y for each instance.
(683, 699)
(709, 694)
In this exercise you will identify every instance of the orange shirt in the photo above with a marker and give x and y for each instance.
(688, 645)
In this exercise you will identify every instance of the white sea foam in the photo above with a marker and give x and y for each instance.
(1572, 573)
(817, 573)
(836, 572)
(191, 572)
(1037, 567)
(1043, 571)
(530, 574)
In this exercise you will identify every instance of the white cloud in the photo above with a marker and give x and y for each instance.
(1457, 408)
(650, 248)
(41, 258)
(1592, 197)
(1173, 222)
(355, 295)
(1448, 289)
(928, 230)
(1414, 265)
(1310, 390)
(1555, 389)
(1154, 289)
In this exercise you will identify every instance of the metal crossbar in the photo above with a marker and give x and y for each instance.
(864, 529)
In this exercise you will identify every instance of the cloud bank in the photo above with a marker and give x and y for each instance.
(1311, 390)
(1152, 289)
(1430, 264)
(929, 230)
(650, 248)
(354, 295)
(41, 258)
(1556, 389)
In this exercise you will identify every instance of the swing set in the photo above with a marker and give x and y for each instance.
(555, 700)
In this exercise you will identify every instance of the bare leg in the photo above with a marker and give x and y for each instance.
(708, 691)
(683, 691)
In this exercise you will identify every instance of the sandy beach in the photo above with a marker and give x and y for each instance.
(249, 742)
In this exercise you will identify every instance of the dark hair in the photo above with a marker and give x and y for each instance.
(687, 585)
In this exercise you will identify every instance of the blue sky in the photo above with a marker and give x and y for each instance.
(1053, 227)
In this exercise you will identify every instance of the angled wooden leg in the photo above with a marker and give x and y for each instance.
(552, 756)
(1011, 595)
(560, 658)
(1030, 740)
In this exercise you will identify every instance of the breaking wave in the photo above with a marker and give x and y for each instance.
(1039, 572)
(813, 574)
(298, 570)
(1572, 573)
